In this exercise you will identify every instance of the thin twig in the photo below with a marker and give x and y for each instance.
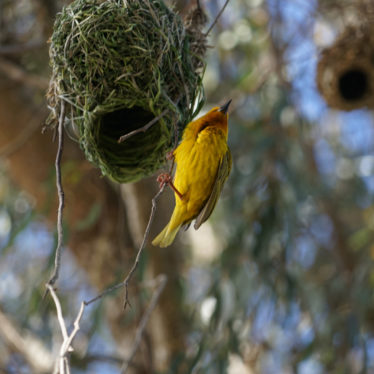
(140, 251)
(31, 348)
(142, 129)
(61, 197)
(66, 346)
(60, 318)
(146, 234)
(105, 292)
(62, 363)
(162, 279)
(216, 19)
(125, 283)
(145, 237)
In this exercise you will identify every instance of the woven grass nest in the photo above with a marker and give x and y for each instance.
(117, 65)
(345, 72)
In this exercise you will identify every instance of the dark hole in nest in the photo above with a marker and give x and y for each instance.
(353, 84)
(131, 151)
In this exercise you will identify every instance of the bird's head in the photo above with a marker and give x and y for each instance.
(220, 112)
(217, 116)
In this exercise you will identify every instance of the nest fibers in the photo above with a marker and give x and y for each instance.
(118, 65)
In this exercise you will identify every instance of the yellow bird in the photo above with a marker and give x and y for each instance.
(203, 162)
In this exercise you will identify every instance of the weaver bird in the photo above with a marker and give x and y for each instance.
(203, 162)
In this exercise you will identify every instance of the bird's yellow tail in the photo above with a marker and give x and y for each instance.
(166, 236)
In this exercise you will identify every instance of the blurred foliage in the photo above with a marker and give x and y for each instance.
(288, 285)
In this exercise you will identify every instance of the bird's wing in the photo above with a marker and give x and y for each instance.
(222, 174)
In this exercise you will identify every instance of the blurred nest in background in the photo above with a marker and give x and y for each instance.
(345, 72)
(118, 65)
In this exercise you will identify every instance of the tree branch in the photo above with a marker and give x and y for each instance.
(142, 129)
(216, 19)
(61, 196)
(161, 280)
(62, 363)
(126, 281)
(30, 346)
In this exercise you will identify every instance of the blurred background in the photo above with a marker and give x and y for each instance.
(279, 280)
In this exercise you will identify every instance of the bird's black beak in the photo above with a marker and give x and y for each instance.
(225, 107)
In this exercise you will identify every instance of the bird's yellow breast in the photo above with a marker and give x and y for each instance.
(203, 164)
(198, 158)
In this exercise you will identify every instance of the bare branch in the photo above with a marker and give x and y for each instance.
(105, 292)
(61, 197)
(60, 318)
(144, 241)
(135, 265)
(140, 251)
(30, 346)
(142, 129)
(216, 19)
(161, 280)
(66, 346)
(62, 363)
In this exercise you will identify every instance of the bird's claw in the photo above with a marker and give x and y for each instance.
(166, 178)
(170, 155)
(163, 179)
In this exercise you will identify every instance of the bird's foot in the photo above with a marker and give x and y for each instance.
(170, 155)
(163, 179)
(166, 178)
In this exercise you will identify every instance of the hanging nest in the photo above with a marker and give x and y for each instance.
(345, 73)
(118, 65)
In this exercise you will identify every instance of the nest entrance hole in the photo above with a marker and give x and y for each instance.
(120, 122)
(123, 121)
(353, 84)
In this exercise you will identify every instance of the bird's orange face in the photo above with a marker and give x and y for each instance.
(215, 118)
